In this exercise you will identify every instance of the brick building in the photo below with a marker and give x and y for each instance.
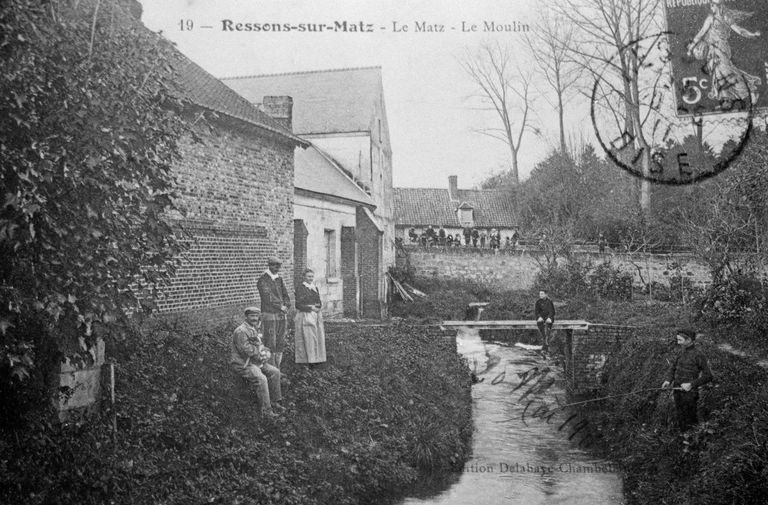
(343, 183)
(236, 190)
(453, 209)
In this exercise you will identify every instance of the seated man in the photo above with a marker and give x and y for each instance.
(545, 317)
(249, 360)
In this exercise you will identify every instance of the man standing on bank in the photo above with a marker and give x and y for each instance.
(248, 358)
(274, 308)
(310, 333)
(545, 317)
(689, 370)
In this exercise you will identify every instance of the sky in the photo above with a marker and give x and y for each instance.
(431, 103)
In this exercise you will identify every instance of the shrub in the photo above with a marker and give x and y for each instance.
(578, 279)
(608, 281)
(738, 303)
(565, 280)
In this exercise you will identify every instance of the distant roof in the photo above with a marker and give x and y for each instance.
(204, 90)
(425, 206)
(324, 101)
(318, 172)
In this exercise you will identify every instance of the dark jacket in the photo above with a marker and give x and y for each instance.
(306, 297)
(272, 293)
(545, 309)
(690, 365)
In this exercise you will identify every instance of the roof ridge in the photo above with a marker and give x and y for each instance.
(318, 71)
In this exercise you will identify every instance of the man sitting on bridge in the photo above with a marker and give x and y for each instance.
(545, 317)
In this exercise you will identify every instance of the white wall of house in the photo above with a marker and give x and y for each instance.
(352, 150)
(370, 160)
(324, 219)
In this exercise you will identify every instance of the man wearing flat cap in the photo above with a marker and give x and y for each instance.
(249, 357)
(274, 307)
(689, 370)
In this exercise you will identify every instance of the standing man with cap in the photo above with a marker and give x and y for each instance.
(274, 308)
(689, 370)
(248, 358)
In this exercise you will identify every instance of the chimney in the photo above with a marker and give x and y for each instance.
(453, 187)
(279, 108)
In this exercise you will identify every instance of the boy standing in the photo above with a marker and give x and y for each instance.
(689, 370)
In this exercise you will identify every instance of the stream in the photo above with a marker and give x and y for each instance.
(517, 457)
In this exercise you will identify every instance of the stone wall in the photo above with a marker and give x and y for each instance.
(507, 270)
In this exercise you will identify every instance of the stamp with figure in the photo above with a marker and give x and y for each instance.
(678, 106)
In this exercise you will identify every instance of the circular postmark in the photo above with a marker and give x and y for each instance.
(668, 128)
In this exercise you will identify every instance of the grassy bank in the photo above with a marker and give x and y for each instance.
(723, 461)
(389, 404)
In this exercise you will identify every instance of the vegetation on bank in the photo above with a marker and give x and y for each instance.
(391, 404)
(725, 459)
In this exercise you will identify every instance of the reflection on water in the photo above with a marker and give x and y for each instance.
(516, 460)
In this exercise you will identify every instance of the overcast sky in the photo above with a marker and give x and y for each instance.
(430, 112)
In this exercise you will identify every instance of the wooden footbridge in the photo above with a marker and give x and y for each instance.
(586, 346)
(565, 324)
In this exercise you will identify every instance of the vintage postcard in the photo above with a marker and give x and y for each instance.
(400, 252)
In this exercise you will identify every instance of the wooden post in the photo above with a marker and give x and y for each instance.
(112, 398)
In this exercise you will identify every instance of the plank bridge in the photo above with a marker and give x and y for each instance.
(586, 346)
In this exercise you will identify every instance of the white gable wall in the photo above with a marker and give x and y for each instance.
(352, 150)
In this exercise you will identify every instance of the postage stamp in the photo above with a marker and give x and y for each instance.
(677, 107)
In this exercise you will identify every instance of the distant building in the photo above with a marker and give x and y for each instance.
(344, 227)
(453, 209)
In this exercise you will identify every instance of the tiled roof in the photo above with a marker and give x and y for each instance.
(203, 89)
(316, 171)
(425, 206)
(324, 101)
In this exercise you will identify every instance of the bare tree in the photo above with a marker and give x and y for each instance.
(507, 87)
(548, 43)
(609, 37)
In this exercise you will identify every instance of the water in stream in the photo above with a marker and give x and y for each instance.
(517, 458)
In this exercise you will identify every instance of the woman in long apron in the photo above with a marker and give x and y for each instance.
(310, 334)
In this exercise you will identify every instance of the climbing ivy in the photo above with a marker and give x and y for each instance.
(88, 132)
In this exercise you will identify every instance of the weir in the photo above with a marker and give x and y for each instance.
(586, 346)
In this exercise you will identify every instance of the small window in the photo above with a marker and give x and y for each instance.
(379, 130)
(466, 217)
(330, 254)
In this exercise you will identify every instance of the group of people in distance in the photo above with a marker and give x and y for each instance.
(472, 237)
(258, 343)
